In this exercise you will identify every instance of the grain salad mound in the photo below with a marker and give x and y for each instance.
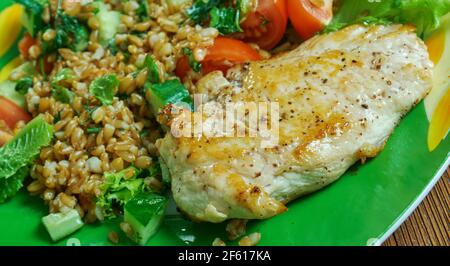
(90, 138)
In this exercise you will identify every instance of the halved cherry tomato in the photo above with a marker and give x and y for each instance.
(309, 16)
(25, 44)
(267, 25)
(11, 113)
(182, 67)
(223, 54)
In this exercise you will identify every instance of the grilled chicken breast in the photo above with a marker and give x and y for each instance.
(340, 96)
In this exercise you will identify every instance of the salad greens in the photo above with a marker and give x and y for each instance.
(59, 92)
(424, 14)
(142, 10)
(24, 84)
(118, 188)
(103, 88)
(129, 192)
(199, 11)
(64, 74)
(22, 149)
(70, 33)
(219, 14)
(9, 186)
(19, 153)
(226, 20)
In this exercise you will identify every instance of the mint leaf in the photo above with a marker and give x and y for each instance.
(10, 186)
(23, 148)
(24, 84)
(226, 20)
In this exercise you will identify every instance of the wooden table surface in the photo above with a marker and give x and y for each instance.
(429, 224)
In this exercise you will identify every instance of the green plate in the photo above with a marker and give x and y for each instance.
(363, 208)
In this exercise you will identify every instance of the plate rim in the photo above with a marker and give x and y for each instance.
(412, 207)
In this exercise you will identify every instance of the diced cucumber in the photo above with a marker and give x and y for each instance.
(144, 213)
(8, 90)
(109, 22)
(60, 225)
(170, 92)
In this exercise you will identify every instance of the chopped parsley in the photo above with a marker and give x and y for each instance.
(196, 66)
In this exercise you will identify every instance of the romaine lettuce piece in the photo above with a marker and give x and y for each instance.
(23, 148)
(24, 84)
(11, 185)
(424, 14)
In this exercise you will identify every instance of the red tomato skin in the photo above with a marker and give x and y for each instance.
(308, 19)
(267, 25)
(11, 113)
(223, 54)
(25, 43)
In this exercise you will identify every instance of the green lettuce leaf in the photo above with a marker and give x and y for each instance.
(10, 186)
(424, 14)
(65, 74)
(118, 188)
(23, 148)
(226, 20)
(24, 84)
(224, 15)
(199, 11)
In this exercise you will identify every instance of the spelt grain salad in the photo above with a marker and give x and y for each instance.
(86, 119)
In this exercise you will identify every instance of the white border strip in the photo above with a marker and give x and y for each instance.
(414, 205)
